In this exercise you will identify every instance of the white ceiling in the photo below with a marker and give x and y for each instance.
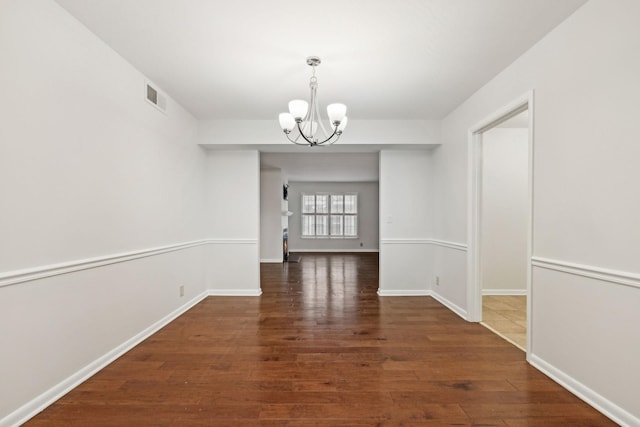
(322, 167)
(245, 59)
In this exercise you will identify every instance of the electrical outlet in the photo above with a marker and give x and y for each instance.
(181, 290)
(437, 280)
(361, 244)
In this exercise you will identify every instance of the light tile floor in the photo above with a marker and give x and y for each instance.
(506, 315)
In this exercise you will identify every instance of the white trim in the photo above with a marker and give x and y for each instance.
(405, 241)
(599, 402)
(271, 260)
(608, 275)
(436, 242)
(231, 241)
(513, 108)
(331, 250)
(424, 293)
(451, 306)
(505, 292)
(39, 403)
(404, 293)
(450, 245)
(26, 275)
(474, 202)
(234, 292)
(41, 272)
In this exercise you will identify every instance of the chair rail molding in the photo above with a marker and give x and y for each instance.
(41, 272)
(426, 241)
(608, 275)
(450, 245)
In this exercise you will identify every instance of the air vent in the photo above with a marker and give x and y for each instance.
(155, 97)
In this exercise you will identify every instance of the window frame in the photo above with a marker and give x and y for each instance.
(328, 215)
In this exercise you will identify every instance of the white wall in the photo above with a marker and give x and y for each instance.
(367, 217)
(89, 167)
(88, 170)
(271, 208)
(233, 222)
(584, 74)
(361, 132)
(405, 222)
(505, 200)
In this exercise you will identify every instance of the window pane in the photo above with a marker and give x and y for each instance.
(322, 225)
(308, 225)
(322, 203)
(350, 225)
(337, 201)
(336, 225)
(308, 203)
(351, 203)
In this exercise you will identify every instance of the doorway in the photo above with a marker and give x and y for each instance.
(500, 222)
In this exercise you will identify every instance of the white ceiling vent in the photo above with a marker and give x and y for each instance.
(155, 97)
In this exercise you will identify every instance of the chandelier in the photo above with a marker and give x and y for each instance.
(303, 119)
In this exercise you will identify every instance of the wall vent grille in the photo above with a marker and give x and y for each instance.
(155, 97)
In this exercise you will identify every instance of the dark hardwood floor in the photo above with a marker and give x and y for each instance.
(319, 348)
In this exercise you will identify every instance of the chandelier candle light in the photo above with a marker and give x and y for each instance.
(304, 117)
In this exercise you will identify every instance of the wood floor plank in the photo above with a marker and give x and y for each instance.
(320, 348)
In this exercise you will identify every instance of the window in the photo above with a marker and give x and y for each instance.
(330, 215)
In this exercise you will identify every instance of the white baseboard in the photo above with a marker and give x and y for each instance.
(272, 260)
(505, 292)
(234, 292)
(424, 292)
(404, 293)
(599, 402)
(332, 250)
(38, 404)
(451, 306)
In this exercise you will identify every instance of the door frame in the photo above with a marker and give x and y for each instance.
(474, 203)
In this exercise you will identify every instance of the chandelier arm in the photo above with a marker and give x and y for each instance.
(310, 141)
(312, 111)
(296, 138)
(335, 140)
(307, 119)
(295, 141)
(335, 132)
(320, 122)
